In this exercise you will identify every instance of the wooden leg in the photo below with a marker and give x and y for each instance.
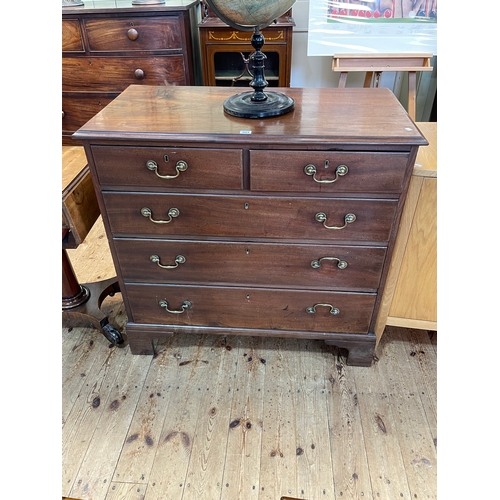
(142, 339)
(82, 303)
(412, 94)
(73, 294)
(360, 349)
(342, 80)
(368, 79)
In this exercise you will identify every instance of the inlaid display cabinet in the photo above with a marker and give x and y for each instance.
(225, 51)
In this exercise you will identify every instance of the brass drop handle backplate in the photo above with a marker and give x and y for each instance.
(180, 259)
(340, 171)
(185, 305)
(333, 310)
(316, 264)
(172, 213)
(180, 166)
(348, 219)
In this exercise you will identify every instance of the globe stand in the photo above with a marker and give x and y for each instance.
(258, 104)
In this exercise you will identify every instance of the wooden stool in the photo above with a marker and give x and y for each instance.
(81, 303)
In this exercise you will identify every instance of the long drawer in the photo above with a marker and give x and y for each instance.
(240, 307)
(80, 108)
(347, 219)
(134, 33)
(169, 167)
(115, 74)
(262, 264)
(327, 171)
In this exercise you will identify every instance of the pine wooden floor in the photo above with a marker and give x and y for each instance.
(239, 418)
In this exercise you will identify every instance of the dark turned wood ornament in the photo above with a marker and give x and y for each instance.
(258, 104)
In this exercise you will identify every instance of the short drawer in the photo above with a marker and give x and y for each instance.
(71, 36)
(168, 167)
(327, 171)
(240, 307)
(79, 108)
(115, 74)
(317, 267)
(134, 33)
(250, 216)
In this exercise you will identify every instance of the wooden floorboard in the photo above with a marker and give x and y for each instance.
(213, 417)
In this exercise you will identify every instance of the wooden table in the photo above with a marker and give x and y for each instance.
(80, 210)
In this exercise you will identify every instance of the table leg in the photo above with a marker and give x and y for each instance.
(81, 303)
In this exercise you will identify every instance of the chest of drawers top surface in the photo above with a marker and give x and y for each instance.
(357, 116)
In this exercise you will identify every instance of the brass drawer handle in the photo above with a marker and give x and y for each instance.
(185, 305)
(180, 259)
(180, 166)
(348, 219)
(333, 310)
(172, 213)
(316, 264)
(341, 170)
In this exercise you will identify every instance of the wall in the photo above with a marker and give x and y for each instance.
(316, 71)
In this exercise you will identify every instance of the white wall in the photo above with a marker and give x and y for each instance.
(316, 71)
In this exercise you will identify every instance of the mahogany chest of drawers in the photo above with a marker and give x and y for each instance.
(108, 45)
(277, 227)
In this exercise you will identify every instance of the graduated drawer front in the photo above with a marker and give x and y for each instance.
(206, 168)
(240, 307)
(249, 216)
(71, 36)
(260, 264)
(141, 33)
(114, 74)
(366, 172)
(79, 108)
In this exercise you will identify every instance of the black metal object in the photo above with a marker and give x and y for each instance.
(258, 104)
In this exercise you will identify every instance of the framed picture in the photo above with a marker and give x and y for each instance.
(377, 26)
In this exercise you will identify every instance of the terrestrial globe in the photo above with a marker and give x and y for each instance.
(254, 15)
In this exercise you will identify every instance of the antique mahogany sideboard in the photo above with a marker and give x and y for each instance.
(277, 227)
(108, 45)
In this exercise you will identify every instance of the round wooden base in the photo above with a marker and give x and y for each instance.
(242, 105)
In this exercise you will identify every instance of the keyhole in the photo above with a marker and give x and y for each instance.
(327, 163)
(165, 158)
(247, 251)
(246, 206)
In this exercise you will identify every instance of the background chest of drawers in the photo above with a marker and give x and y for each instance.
(109, 45)
(222, 224)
